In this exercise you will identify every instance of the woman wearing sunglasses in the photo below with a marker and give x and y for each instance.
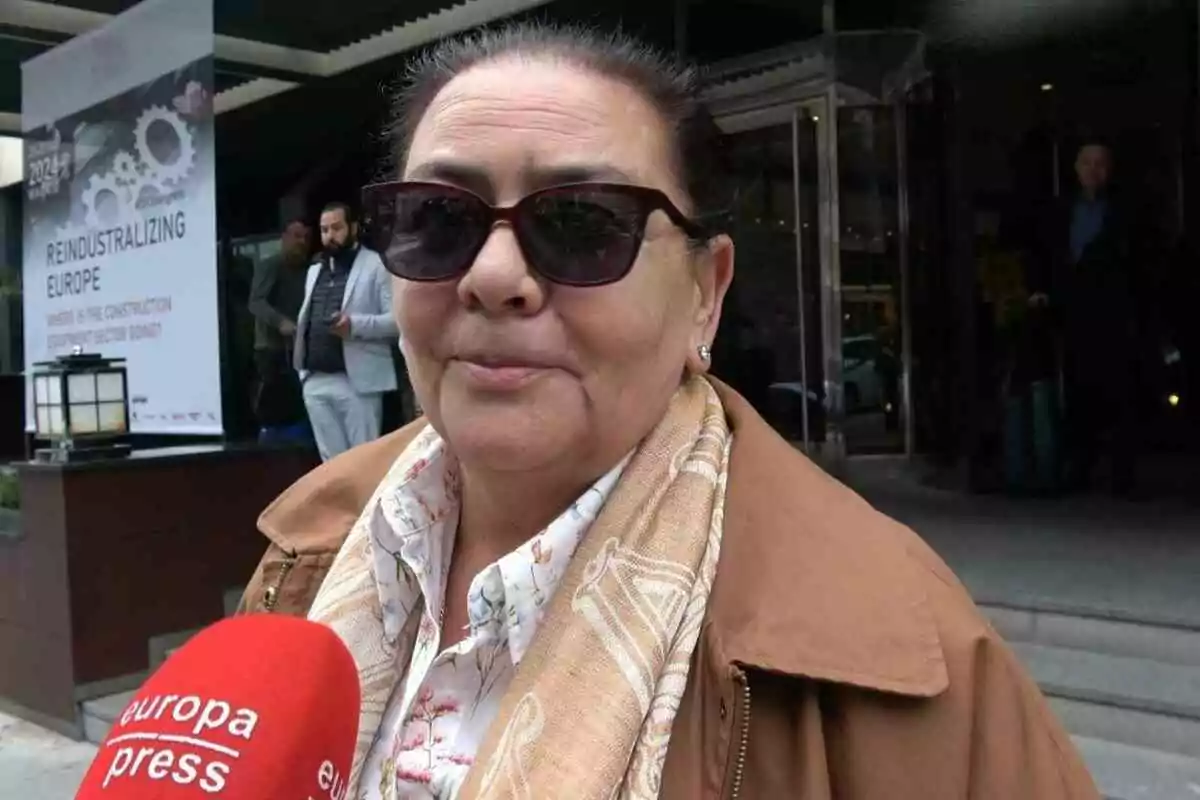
(591, 570)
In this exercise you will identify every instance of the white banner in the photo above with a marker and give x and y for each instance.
(120, 210)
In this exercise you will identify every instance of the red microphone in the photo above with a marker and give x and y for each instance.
(254, 707)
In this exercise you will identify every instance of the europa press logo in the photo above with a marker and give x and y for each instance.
(191, 742)
(188, 740)
(221, 718)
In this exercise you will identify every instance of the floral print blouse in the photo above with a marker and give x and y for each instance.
(440, 711)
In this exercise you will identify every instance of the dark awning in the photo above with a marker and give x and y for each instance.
(262, 48)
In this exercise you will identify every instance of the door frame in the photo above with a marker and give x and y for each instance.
(823, 108)
(827, 449)
(833, 452)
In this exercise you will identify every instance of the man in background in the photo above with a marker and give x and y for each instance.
(344, 337)
(1091, 280)
(276, 294)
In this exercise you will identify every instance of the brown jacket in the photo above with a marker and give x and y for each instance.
(840, 658)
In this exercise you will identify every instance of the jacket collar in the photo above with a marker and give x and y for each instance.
(315, 514)
(812, 582)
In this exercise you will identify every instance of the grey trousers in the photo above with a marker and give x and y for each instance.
(341, 417)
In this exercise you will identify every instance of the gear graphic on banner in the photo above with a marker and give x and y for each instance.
(99, 185)
(156, 170)
(126, 170)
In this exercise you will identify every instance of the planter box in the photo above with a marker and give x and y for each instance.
(115, 554)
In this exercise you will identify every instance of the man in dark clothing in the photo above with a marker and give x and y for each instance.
(1089, 279)
(276, 295)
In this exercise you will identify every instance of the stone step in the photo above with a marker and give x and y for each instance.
(1123, 772)
(1133, 701)
(1170, 644)
(100, 714)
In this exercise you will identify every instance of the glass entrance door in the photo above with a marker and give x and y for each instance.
(871, 261)
(769, 344)
(817, 330)
(814, 331)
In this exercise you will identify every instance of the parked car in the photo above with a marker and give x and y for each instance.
(860, 374)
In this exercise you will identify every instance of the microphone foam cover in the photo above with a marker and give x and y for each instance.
(253, 707)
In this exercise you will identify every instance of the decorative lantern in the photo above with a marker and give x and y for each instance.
(81, 406)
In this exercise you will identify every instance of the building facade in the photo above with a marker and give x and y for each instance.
(887, 158)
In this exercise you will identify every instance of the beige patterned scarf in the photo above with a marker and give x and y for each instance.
(592, 702)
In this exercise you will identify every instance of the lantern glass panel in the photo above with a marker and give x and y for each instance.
(55, 386)
(43, 420)
(112, 417)
(81, 388)
(84, 419)
(41, 392)
(110, 387)
(56, 421)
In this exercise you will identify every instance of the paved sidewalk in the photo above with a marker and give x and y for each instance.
(36, 764)
(1133, 561)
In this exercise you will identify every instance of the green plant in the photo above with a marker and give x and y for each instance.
(10, 282)
(10, 491)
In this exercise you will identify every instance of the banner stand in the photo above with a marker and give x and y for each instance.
(121, 260)
(120, 250)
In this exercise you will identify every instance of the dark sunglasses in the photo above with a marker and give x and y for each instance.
(580, 234)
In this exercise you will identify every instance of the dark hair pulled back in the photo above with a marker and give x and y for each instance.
(672, 88)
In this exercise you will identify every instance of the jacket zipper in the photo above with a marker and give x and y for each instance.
(739, 765)
(271, 595)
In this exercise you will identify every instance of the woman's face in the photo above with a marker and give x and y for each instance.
(519, 374)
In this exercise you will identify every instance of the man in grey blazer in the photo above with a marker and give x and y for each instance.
(344, 337)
